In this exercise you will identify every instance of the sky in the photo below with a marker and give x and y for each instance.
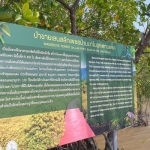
(141, 28)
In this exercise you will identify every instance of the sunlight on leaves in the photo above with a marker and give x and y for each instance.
(6, 29)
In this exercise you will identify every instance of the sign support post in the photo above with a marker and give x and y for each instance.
(115, 140)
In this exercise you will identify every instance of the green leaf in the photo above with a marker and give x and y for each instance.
(143, 142)
(50, 1)
(5, 17)
(5, 28)
(4, 9)
(25, 1)
(97, 25)
(33, 19)
(55, 4)
(93, 19)
(18, 17)
(27, 13)
(99, 13)
(143, 7)
(25, 8)
(22, 22)
(2, 39)
(148, 7)
(36, 14)
(17, 6)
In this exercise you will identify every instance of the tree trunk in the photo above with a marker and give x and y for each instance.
(142, 45)
(73, 21)
(72, 10)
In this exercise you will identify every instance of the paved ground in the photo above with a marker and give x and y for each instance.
(134, 138)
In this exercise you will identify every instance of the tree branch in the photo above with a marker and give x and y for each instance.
(72, 11)
(75, 5)
(64, 4)
(73, 21)
(142, 44)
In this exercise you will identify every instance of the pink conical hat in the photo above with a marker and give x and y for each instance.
(76, 127)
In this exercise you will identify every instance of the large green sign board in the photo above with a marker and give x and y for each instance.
(43, 71)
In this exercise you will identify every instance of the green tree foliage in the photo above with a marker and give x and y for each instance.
(19, 12)
(143, 78)
(101, 19)
(111, 20)
(144, 14)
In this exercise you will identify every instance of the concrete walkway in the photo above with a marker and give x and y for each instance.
(134, 138)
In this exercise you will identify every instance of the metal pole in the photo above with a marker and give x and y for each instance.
(115, 145)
